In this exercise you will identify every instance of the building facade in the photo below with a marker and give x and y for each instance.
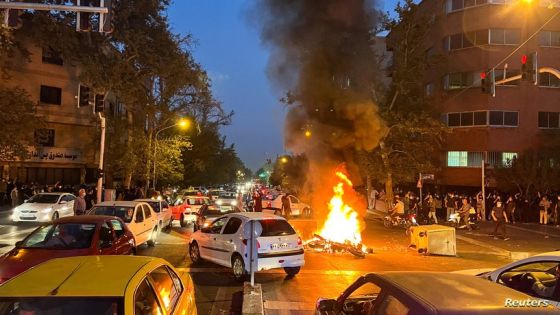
(473, 37)
(66, 150)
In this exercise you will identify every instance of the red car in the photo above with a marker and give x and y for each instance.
(69, 236)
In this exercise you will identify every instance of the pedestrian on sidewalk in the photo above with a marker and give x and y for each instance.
(80, 203)
(373, 198)
(499, 216)
(544, 205)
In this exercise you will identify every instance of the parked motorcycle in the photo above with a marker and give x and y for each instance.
(455, 221)
(404, 221)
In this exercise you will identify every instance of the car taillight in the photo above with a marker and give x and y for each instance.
(299, 241)
(269, 205)
(246, 241)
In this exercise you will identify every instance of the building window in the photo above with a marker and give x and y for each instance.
(51, 95)
(504, 36)
(500, 74)
(52, 57)
(466, 40)
(548, 80)
(483, 118)
(429, 89)
(464, 159)
(496, 159)
(549, 39)
(549, 120)
(458, 80)
(44, 137)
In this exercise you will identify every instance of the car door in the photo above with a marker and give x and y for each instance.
(150, 218)
(106, 241)
(209, 236)
(70, 200)
(122, 244)
(295, 206)
(164, 206)
(61, 207)
(228, 240)
(138, 226)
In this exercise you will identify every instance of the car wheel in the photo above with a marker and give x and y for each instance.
(238, 268)
(170, 225)
(152, 240)
(183, 223)
(55, 216)
(194, 253)
(292, 271)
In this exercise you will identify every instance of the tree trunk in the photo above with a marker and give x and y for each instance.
(389, 177)
(128, 173)
(148, 161)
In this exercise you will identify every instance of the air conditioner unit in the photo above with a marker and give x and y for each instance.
(434, 240)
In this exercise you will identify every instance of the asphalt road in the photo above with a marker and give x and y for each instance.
(324, 275)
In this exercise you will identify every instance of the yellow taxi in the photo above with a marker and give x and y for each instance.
(111, 285)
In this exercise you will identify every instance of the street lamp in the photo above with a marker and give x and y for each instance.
(183, 124)
(284, 160)
(308, 133)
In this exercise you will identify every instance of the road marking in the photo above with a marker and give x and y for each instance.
(289, 306)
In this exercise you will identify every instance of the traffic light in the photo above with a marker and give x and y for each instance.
(84, 96)
(487, 82)
(99, 103)
(529, 68)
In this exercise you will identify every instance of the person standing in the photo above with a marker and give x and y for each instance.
(432, 209)
(544, 205)
(257, 202)
(3, 191)
(80, 203)
(499, 216)
(14, 196)
(556, 212)
(373, 198)
(480, 209)
(286, 206)
(510, 209)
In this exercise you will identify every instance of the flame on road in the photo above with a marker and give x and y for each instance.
(342, 224)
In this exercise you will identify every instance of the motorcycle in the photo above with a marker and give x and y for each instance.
(455, 221)
(405, 221)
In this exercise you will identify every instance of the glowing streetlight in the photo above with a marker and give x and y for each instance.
(284, 160)
(308, 134)
(184, 123)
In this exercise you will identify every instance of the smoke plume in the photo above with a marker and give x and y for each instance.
(321, 54)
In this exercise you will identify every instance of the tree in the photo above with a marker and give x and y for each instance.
(287, 173)
(414, 131)
(18, 117)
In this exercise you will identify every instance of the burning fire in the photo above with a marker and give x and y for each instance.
(342, 224)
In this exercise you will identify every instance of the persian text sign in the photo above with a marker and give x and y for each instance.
(54, 155)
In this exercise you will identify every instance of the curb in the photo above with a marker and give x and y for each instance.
(252, 299)
(497, 250)
(533, 231)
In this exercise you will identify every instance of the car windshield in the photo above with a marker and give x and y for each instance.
(125, 213)
(155, 205)
(61, 236)
(43, 198)
(198, 201)
(212, 211)
(273, 227)
(62, 305)
(227, 195)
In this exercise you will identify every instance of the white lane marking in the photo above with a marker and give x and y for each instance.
(219, 301)
(289, 306)
(278, 271)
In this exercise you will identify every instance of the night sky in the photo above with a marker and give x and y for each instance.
(229, 48)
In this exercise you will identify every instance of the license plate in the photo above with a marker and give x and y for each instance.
(279, 246)
(27, 218)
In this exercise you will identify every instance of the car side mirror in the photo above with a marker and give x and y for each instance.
(18, 244)
(326, 305)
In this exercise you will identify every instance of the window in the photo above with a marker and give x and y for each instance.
(466, 40)
(139, 215)
(454, 120)
(232, 226)
(496, 118)
(455, 41)
(276, 228)
(495, 159)
(51, 95)
(429, 89)
(216, 226)
(106, 237)
(293, 200)
(548, 80)
(500, 36)
(467, 119)
(390, 305)
(124, 213)
(549, 39)
(548, 120)
(481, 37)
(117, 227)
(511, 119)
(499, 75)
(501, 118)
(52, 57)
(543, 270)
(44, 137)
(464, 159)
(166, 288)
(147, 211)
(145, 300)
(458, 80)
(480, 118)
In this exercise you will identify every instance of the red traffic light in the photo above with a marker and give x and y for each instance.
(483, 75)
(524, 59)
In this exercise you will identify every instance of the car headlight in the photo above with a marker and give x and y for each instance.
(46, 210)
(234, 203)
(219, 202)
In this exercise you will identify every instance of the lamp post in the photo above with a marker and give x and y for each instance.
(183, 124)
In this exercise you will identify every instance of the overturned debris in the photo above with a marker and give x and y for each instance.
(321, 244)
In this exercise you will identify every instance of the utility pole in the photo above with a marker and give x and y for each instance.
(483, 190)
(101, 156)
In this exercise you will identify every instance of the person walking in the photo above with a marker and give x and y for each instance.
(480, 209)
(373, 198)
(432, 209)
(544, 205)
(257, 202)
(80, 203)
(14, 196)
(499, 216)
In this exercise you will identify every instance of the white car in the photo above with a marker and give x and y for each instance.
(273, 204)
(161, 207)
(223, 243)
(519, 275)
(139, 217)
(227, 201)
(45, 207)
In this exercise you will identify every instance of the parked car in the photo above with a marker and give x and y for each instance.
(161, 207)
(208, 213)
(425, 293)
(521, 274)
(119, 285)
(227, 200)
(45, 207)
(185, 209)
(71, 236)
(223, 243)
(273, 204)
(138, 216)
